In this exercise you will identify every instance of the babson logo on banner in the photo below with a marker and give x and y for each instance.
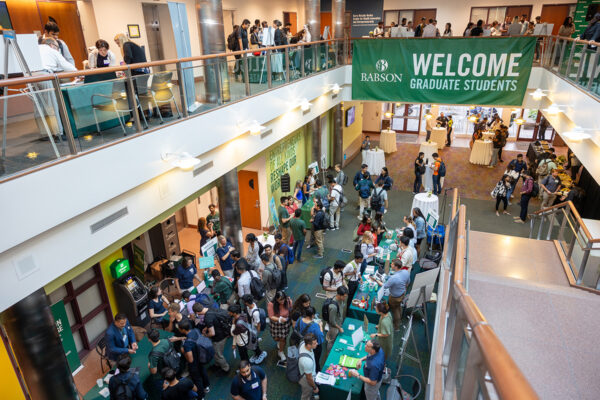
(483, 71)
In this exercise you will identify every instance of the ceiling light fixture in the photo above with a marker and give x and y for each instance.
(576, 134)
(389, 114)
(182, 160)
(256, 128)
(473, 118)
(335, 88)
(552, 110)
(538, 94)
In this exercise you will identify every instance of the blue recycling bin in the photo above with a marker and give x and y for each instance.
(436, 237)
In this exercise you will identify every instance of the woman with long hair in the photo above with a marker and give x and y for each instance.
(420, 225)
(306, 189)
(298, 194)
(132, 53)
(447, 30)
(367, 248)
(567, 28)
(467, 31)
(206, 231)
(279, 313)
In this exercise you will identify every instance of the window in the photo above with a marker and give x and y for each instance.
(87, 306)
(415, 16)
(488, 14)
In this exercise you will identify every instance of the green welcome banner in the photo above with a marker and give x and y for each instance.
(483, 71)
(66, 336)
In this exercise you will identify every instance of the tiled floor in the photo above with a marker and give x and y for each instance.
(548, 327)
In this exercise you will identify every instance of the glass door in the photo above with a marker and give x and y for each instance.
(528, 130)
(407, 118)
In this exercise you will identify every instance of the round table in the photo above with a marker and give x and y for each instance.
(375, 159)
(438, 135)
(387, 141)
(426, 203)
(269, 240)
(481, 153)
(488, 135)
(428, 148)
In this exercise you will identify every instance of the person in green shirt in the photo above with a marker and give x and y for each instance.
(298, 231)
(223, 288)
(385, 329)
(284, 219)
(155, 359)
(214, 217)
(337, 311)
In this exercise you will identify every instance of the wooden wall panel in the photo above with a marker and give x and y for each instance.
(24, 15)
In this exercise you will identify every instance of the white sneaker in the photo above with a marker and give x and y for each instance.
(262, 357)
(281, 355)
(253, 360)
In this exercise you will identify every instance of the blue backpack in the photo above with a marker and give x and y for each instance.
(364, 188)
(206, 301)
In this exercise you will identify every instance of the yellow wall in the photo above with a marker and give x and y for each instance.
(11, 389)
(108, 280)
(352, 135)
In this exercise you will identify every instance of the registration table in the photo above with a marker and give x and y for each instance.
(139, 360)
(343, 386)
(387, 141)
(375, 159)
(481, 153)
(367, 292)
(438, 135)
(426, 203)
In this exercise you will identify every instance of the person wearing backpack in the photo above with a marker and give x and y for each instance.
(271, 276)
(299, 232)
(385, 177)
(526, 195)
(544, 168)
(239, 331)
(278, 311)
(352, 276)
(439, 171)
(257, 318)
(217, 327)
(321, 194)
(333, 313)
(126, 385)
(254, 250)
(307, 367)
(341, 178)
(550, 188)
(332, 278)
(283, 249)
(364, 187)
(162, 355)
(319, 225)
(309, 324)
(379, 199)
(336, 199)
(177, 389)
(191, 353)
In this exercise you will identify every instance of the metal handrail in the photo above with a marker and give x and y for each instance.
(571, 206)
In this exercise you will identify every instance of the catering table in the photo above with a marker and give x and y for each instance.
(138, 360)
(488, 135)
(438, 135)
(353, 385)
(481, 153)
(375, 159)
(426, 203)
(387, 141)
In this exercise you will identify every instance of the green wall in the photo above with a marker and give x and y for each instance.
(580, 11)
(287, 156)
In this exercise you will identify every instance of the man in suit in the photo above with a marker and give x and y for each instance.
(120, 338)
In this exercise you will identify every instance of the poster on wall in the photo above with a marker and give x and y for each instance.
(484, 71)
(283, 159)
(273, 212)
(66, 335)
(365, 16)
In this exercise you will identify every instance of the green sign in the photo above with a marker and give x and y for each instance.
(66, 336)
(139, 264)
(483, 71)
(119, 268)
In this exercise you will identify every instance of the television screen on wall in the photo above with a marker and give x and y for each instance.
(350, 116)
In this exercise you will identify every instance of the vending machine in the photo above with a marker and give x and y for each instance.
(130, 292)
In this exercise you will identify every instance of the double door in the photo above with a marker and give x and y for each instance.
(407, 117)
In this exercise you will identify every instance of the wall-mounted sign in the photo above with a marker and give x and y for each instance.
(66, 335)
(119, 268)
(485, 71)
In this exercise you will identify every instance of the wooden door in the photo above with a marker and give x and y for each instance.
(513, 11)
(427, 14)
(249, 199)
(67, 17)
(555, 14)
(326, 21)
(292, 18)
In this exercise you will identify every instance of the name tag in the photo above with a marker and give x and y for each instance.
(106, 62)
(254, 385)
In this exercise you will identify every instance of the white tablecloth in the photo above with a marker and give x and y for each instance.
(269, 240)
(387, 141)
(426, 203)
(438, 135)
(375, 159)
(481, 153)
(428, 149)
(488, 135)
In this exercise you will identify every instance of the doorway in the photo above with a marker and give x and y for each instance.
(556, 14)
(153, 24)
(326, 19)
(249, 199)
(292, 18)
(67, 17)
(407, 118)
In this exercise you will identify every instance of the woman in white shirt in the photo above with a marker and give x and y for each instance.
(101, 56)
(252, 255)
(496, 29)
(448, 29)
(367, 249)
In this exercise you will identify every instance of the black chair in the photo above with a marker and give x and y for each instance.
(103, 353)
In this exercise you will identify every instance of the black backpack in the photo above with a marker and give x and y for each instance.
(232, 43)
(323, 272)
(256, 287)
(261, 248)
(325, 309)
(442, 170)
(123, 391)
(297, 337)
(535, 190)
(204, 348)
(222, 322)
(376, 200)
(277, 275)
(170, 358)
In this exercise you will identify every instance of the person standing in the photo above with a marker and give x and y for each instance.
(278, 311)
(340, 178)
(239, 332)
(397, 285)
(379, 32)
(125, 377)
(308, 367)
(419, 28)
(319, 224)
(379, 199)
(309, 324)
(267, 274)
(254, 319)
(217, 328)
(514, 29)
(205, 229)
(120, 338)
(352, 275)
(503, 137)
(222, 288)
(178, 389)
(335, 204)
(336, 310)
(518, 164)
(514, 177)
(364, 188)
(449, 134)
(253, 253)
(250, 383)
(51, 30)
(384, 176)
(101, 56)
(429, 124)
(442, 121)
(478, 30)
(500, 192)
(284, 219)
(214, 217)
(526, 193)
(185, 274)
(420, 226)
(366, 143)
(374, 364)
(333, 279)
(298, 227)
(429, 30)
(224, 253)
(362, 174)
(550, 188)
(439, 171)
(385, 330)
(191, 351)
(497, 145)
(447, 30)
(419, 172)
(155, 358)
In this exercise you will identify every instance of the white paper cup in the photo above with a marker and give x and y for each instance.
(100, 382)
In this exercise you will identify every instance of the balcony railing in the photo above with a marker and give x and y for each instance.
(48, 118)
(468, 360)
(575, 60)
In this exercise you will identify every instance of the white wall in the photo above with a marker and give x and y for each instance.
(88, 22)
(458, 12)
(264, 10)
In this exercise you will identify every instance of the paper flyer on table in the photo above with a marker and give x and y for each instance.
(325, 379)
(357, 336)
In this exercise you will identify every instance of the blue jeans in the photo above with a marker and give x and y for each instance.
(297, 249)
(437, 187)
(511, 190)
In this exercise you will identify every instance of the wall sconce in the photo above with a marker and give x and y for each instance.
(253, 127)
(388, 114)
(334, 88)
(304, 104)
(538, 94)
(182, 160)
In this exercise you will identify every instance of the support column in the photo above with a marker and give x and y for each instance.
(212, 35)
(315, 132)
(312, 14)
(338, 135)
(338, 9)
(37, 347)
(229, 207)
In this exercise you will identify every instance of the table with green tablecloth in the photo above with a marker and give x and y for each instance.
(138, 360)
(370, 292)
(340, 390)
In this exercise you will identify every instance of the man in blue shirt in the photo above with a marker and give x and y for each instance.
(120, 338)
(373, 370)
(185, 275)
(250, 383)
(190, 352)
(126, 381)
(224, 252)
(397, 285)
